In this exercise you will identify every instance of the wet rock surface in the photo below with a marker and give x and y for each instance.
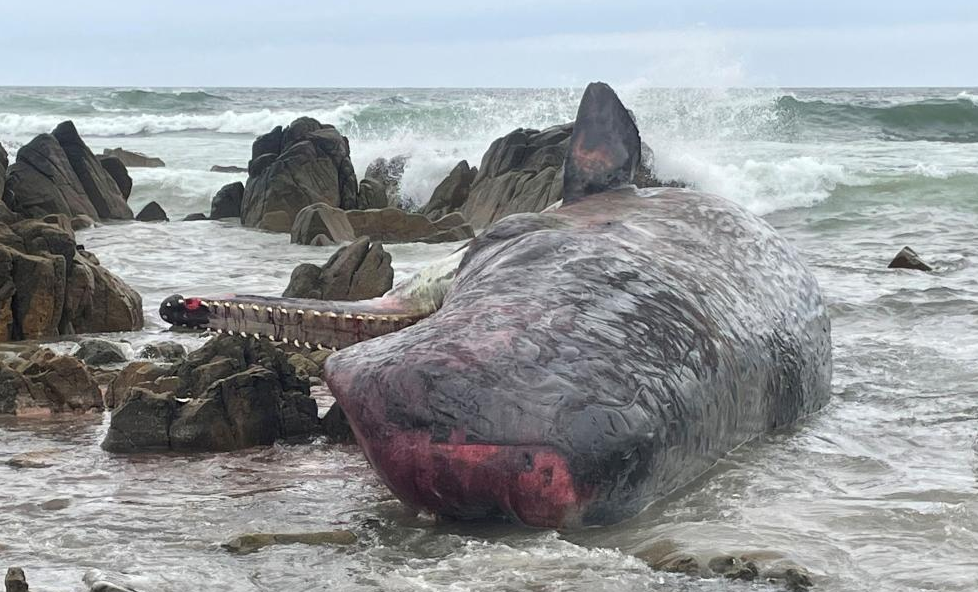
(117, 170)
(100, 352)
(43, 382)
(359, 271)
(387, 172)
(321, 224)
(227, 201)
(218, 168)
(167, 351)
(152, 212)
(15, 580)
(134, 159)
(232, 393)
(451, 194)
(100, 187)
(907, 258)
(393, 225)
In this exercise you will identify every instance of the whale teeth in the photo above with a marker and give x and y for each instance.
(227, 305)
(348, 317)
(332, 348)
(220, 331)
(255, 307)
(169, 305)
(240, 306)
(181, 301)
(271, 338)
(269, 310)
(296, 343)
(319, 346)
(243, 334)
(306, 345)
(383, 319)
(359, 317)
(332, 315)
(256, 336)
(371, 318)
(300, 312)
(285, 340)
(316, 313)
(283, 311)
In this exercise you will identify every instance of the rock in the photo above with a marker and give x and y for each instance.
(451, 193)
(321, 220)
(249, 543)
(195, 217)
(18, 395)
(134, 159)
(227, 201)
(15, 580)
(152, 212)
(907, 258)
(55, 504)
(389, 174)
(100, 352)
(42, 181)
(232, 393)
(217, 168)
(81, 222)
(304, 366)
(4, 163)
(141, 423)
(117, 170)
(397, 226)
(311, 165)
(359, 271)
(99, 302)
(37, 459)
(336, 428)
(100, 187)
(770, 566)
(277, 221)
(99, 582)
(373, 194)
(64, 382)
(51, 235)
(168, 351)
(39, 293)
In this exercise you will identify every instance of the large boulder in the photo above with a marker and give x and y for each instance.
(137, 374)
(291, 168)
(134, 159)
(397, 226)
(100, 352)
(227, 201)
(452, 192)
(102, 190)
(359, 271)
(388, 172)
(98, 301)
(18, 395)
(232, 393)
(321, 219)
(119, 173)
(42, 181)
(152, 212)
(63, 383)
(373, 194)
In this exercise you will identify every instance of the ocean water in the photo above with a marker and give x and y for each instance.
(877, 492)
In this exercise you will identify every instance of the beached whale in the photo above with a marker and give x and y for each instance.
(579, 363)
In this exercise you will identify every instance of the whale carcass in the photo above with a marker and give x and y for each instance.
(580, 363)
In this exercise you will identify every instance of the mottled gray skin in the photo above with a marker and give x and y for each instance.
(638, 334)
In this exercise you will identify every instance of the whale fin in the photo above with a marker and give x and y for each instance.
(605, 147)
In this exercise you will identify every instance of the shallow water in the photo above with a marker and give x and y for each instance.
(879, 491)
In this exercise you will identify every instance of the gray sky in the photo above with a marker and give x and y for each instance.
(498, 43)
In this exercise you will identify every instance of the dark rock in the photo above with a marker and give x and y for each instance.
(15, 580)
(321, 220)
(81, 222)
(373, 194)
(134, 159)
(277, 221)
(4, 163)
(54, 505)
(270, 143)
(64, 383)
(232, 393)
(18, 395)
(389, 173)
(117, 170)
(397, 226)
(336, 428)
(100, 187)
(39, 283)
(100, 352)
(42, 181)
(312, 165)
(249, 543)
(228, 169)
(168, 351)
(141, 423)
(907, 258)
(36, 459)
(152, 212)
(451, 193)
(227, 201)
(97, 301)
(195, 217)
(141, 374)
(359, 271)
(52, 235)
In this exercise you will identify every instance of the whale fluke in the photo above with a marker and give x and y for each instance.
(605, 147)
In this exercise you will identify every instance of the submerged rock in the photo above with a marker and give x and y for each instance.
(168, 351)
(217, 168)
(134, 159)
(152, 212)
(100, 352)
(141, 374)
(907, 258)
(249, 543)
(63, 383)
(195, 217)
(359, 271)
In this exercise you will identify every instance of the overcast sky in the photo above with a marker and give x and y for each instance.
(499, 43)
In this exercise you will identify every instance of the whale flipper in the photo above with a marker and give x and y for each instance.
(605, 147)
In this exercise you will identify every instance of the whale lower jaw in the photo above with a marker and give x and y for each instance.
(468, 481)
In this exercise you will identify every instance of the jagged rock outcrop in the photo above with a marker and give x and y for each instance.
(907, 258)
(232, 393)
(41, 182)
(49, 286)
(152, 212)
(227, 201)
(388, 172)
(41, 381)
(393, 225)
(358, 271)
(134, 159)
(451, 194)
(119, 173)
(294, 167)
(373, 194)
(4, 163)
(102, 190)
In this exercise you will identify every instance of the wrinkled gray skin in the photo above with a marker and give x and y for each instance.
(637, 334)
